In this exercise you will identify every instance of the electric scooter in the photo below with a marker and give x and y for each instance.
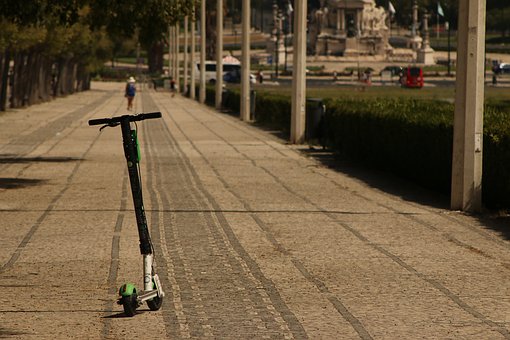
(152, 293)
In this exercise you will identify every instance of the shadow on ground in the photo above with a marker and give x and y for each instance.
(15, 183)
(499, 222)
(383, 181)
(7, 333)
(496, 221)
(12, 159)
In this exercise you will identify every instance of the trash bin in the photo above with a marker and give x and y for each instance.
(253, 97)
(224, 97)
(315, 110)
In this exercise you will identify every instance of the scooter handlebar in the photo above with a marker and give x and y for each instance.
(142, 116)
(131, 118)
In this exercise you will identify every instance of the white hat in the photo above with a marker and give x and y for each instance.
(131, 80)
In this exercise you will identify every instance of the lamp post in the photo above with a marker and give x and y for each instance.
(447, 26)
(285, 34)
(276, 39)
(287, 29)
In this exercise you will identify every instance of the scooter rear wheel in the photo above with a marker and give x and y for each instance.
(130, 304)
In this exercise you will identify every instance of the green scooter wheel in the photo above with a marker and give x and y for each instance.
(128, 298)
(130, 304)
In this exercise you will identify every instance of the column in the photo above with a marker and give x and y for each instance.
(201, 95)
(192, 57)
(466, 191)
(245, 62)
(219, 53)
(298, 113)
(186, 59)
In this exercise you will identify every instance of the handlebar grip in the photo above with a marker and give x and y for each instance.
(100, 121)
(150, 115)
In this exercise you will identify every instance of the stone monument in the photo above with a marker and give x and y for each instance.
(349, 28)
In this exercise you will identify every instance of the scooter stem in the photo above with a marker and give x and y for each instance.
(131, 153)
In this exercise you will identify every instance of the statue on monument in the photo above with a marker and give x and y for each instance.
(336, 24)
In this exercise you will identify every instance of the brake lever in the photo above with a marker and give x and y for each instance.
(109, 125)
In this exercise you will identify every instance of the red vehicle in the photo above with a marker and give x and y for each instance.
(412, 77)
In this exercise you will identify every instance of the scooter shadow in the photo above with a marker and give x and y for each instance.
(122, 315)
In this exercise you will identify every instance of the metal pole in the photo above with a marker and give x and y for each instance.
(175, 52)
(177, 56)
(466, 192)
(201, 94)
(170, 59)
(298, 113)
(186, 59)
(193, 48)
(245, 62)
(219, 53)
(449, 48)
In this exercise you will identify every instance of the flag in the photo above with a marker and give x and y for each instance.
(391, 8)
(440, 10)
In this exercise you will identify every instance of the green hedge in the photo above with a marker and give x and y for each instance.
(271, 110)
(413, 139)
(407, 137)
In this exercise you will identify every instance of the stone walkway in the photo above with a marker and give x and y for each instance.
(254, 238)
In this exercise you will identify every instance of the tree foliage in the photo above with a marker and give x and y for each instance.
(54, 44)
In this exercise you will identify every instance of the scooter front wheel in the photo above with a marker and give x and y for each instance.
(130, 304)
(155, 304)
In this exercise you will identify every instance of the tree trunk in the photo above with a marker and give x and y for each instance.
(64, 69)
(17, 93)
(4, 79)
(45, 78)
(210, 22)
(83, 78)
(155, 58)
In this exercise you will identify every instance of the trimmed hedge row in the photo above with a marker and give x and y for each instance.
(408, 137)
(413, 139)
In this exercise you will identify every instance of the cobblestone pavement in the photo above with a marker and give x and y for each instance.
(254, 238)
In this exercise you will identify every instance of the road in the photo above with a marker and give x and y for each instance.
(254, 238)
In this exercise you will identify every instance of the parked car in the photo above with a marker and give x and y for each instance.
(394, 70)
(502, 68)
(210, 70)
(412, 77)
(234, 76)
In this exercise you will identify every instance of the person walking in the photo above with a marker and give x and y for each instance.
(130, 92)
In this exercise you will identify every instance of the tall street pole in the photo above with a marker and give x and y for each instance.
(245, 62)
(186, 59)
(466, 188)
(170, 59)
(447, 26)
(177, 57)
(201, 94)
(193, 48)
(219, 53)
(298, 115)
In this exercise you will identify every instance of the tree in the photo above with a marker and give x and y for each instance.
(50, 46)
(147, 19)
